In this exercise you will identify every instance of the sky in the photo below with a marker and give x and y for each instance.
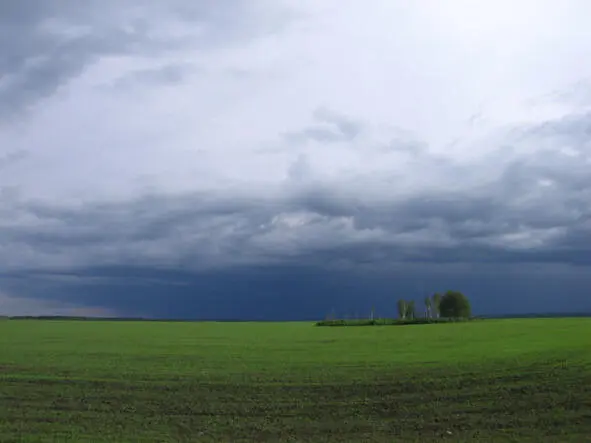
(288, 159)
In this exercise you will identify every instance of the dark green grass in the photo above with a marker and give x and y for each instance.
(495, 380)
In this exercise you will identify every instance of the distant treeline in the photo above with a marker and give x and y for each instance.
(392, 321)
(349, 321)
(543, 315)
(128, 319)
(76, 318)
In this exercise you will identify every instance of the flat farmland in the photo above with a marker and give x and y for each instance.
(492, 380)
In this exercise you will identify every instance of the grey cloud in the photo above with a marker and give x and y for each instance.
(577, 94)
(348, 127)
(331, 127)
(45, 73)
(494, 224)
(526, 208)
(300, 169)
(475, 118)
(573, 125)
(43, 55)
(404, 142)
(166, 75)
(53, 42)
(12, 157)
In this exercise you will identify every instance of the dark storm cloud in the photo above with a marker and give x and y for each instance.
(52, 42)
(301, 292)
(347, 277)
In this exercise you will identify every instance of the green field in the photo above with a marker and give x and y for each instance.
(493, 380)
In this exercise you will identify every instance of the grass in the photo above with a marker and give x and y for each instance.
(494, 380)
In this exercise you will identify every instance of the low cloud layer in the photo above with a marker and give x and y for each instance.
(183, 156)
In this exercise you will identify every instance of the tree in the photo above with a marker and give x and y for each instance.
(410, 309)
(428, 304)
(454, 304)
(401, 305)
(436, 304)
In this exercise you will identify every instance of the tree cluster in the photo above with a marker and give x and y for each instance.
(452, 304)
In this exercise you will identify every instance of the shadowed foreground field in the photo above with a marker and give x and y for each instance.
(499, 380)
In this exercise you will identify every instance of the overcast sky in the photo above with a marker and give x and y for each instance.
(283, 158)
